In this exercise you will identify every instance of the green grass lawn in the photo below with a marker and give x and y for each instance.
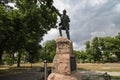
(111, 67)
(115, 77)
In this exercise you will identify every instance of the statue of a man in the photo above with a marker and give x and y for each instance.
(64, 24)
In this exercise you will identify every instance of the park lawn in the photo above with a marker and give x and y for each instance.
(115, 77)
(111, 67)
(13, 70)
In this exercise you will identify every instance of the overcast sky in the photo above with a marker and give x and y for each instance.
(89, 18)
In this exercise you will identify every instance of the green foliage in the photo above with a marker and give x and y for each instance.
(89, 51)
(116, 48)
(81, 56)
(48, 50)
(5, 28)
(96, 49)
(8, 58)
(77, 54)
(103, 49)
(32, 54)
(23, 28)
(116, 77)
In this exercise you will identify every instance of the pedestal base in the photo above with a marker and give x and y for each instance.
(74, 76)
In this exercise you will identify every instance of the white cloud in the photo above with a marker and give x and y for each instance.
(78, 47)
(52, 34)
(112, 30)
(89, 18)
(60, 5)
(97, 34)
(117, 8)
(95, 3)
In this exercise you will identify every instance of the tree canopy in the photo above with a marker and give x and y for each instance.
(104, 48)
(48, 50)
(23, 27)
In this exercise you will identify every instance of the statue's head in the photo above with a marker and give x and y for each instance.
(64, 11)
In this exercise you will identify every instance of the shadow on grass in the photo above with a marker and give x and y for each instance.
(23, 69)
(28, 73)
(15, 70)
(22, 73)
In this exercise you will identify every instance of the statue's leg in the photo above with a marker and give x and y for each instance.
(67, 32)
(60, 31)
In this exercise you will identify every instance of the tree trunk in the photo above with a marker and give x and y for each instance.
(12, 57)
(31, 65)
(1, 52)
(0, 58)
(19, 59)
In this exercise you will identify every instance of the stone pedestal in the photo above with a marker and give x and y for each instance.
(73, 76)
(64, 63)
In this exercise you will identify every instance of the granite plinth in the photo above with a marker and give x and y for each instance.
(64, 62)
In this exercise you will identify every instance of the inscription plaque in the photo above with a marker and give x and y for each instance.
(72, 63)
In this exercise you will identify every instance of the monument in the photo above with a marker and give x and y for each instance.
(64, 62)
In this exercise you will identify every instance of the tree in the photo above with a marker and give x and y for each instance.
(116, 48)
(102, 47)
(32, 53)
(108, 48)
(83, 56)
(6, 30)
(48, 51)
(96, 49)
(89, 51)
(25, 25)
(77, 54)
(37, 21)
(93, 50)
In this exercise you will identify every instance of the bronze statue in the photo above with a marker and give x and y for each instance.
(64, 24)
